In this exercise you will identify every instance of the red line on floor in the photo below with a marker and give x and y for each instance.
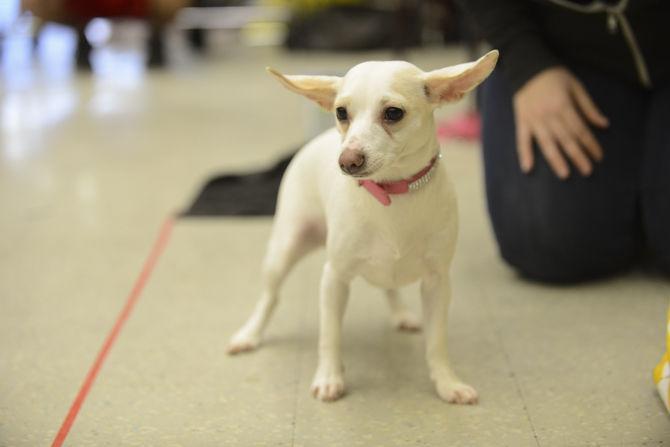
(140, 282)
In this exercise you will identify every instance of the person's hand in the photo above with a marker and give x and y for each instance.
(554, 109)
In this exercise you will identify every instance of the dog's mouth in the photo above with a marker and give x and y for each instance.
(367, 172)
(359, 174)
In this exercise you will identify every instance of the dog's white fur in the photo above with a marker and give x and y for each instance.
(411, 240)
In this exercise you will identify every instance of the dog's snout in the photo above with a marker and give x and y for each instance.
(352, 161)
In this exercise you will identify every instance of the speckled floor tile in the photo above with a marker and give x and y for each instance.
(577, 353)
(169, 380)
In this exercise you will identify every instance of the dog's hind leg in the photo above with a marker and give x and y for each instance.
(401, 317)
(285, 249)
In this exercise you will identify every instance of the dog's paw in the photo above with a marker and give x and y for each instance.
(242, 343)
(327, 387)
(456, 392)
(406, 321)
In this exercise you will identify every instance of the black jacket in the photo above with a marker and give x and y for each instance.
(628, 39)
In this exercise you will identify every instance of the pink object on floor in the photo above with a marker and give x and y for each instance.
(466, 126)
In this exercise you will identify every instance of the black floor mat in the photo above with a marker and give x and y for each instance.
(252, 194)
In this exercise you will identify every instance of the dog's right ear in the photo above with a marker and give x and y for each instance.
(320, 89)
(451, 83)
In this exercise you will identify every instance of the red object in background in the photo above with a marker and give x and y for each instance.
(85, 10)
(466, 127)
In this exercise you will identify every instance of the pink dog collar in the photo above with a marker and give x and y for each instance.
(382, 191)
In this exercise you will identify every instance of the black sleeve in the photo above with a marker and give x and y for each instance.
(508, 26)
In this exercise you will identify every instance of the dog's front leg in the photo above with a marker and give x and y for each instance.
(328, 382)
(435, 296)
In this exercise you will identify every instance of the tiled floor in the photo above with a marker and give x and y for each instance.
(89, 168)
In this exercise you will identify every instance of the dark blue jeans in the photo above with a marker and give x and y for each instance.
(583, 228)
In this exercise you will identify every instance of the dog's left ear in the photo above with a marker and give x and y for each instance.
(451, 83)
(320, 89)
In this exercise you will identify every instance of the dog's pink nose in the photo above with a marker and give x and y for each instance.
(352, 161)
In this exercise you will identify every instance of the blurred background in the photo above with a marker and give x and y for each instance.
(105, 56)
(179, 86)
(53, 41)
(172, 32)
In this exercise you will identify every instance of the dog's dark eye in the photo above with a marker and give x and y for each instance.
(393, 114)
(342, 114)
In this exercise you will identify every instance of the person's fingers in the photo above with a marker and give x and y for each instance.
(587, 106)
(524, 146)
(571, 147)
(551, 152)
(583, 134)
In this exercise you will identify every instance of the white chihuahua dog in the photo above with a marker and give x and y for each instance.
(374, 192)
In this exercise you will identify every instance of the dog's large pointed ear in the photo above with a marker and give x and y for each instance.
(320, 89)
(451, 83)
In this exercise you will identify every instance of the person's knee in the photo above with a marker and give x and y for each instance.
(664, 266)
(660, 260)
(565, 257)
(656, 218)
